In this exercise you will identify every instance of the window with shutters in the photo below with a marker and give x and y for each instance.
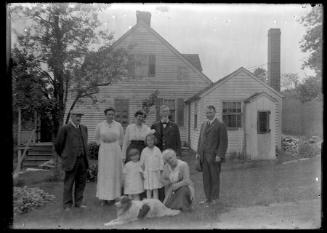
(263, 122)
(196, 114)
(141, 65)
(122, 111)
(232, 115)
(170, 103)
(152, 65)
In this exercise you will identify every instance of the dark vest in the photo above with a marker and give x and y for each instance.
(81, 148)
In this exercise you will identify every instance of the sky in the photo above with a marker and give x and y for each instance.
(226, 36)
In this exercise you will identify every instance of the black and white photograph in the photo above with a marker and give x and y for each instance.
(166, 116)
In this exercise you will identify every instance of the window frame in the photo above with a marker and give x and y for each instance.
(196, 109)
(267, 125)
(142, 65)
(240, 114)
(163, 101)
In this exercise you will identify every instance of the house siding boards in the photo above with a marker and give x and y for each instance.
(238, 87)
(166, 80)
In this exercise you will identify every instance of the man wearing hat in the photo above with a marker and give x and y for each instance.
(71, 146)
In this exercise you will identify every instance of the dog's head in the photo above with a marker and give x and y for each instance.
(122, 204)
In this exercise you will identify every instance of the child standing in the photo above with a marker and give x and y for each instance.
(133, 175)
(152, 163)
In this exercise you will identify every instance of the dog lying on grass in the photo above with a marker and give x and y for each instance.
(130, 210)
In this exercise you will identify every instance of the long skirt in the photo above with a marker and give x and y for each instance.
(109, 181)
(180, 199)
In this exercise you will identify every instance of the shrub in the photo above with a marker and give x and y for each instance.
(236, 156)
(92, 173)
(27, 198)
(307, 149)
(93, 150)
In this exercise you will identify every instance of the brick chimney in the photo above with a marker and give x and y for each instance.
(143, 17)
(273, 72)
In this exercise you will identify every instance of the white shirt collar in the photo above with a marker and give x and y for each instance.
(165, 120)
(212, 120)
(74, 124)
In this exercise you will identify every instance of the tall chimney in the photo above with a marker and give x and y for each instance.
(143, 17)
(274, 58)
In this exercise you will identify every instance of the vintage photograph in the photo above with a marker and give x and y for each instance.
(166, 116)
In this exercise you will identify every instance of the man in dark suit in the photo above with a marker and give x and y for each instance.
(212, 146)
(71, 146)
(168, 137)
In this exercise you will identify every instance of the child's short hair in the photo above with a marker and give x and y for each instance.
(133, 151)
(151, 135)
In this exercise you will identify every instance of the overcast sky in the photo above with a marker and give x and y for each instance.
(226, 36)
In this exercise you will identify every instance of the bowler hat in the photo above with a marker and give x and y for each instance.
(76, 112)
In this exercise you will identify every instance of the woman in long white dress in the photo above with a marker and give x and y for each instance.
(109, 135)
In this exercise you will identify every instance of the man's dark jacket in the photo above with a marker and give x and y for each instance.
(67, 145)
(168, 137)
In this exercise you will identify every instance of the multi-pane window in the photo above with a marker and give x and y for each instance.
(232, 114)
(196, 114)
(142, 65)
(263, 122)
(171, 104)
(122, 113)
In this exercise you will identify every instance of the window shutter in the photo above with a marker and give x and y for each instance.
(258, 122)
(180, 112)
(131, 65)
(152, 65)
(158, 104)
(122, 111)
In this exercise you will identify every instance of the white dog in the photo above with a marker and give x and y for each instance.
(131, 210)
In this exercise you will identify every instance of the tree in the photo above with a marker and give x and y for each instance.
(312, 44)
(261, 74)
(59, 38)
(150, 101)
(312, 40)
(289, 81)
(30, 89)
(309, 89)
(100, 68)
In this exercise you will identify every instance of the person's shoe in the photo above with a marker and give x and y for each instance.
(66, 209)
(204, 202)
(81, 206)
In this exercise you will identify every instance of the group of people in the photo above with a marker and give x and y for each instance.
(143, 162)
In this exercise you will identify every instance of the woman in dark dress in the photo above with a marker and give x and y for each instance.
(179, 191)
(135, 135)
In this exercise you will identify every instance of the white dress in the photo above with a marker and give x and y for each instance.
(152, 162)
(133, 181)
(133, 132)
(109, 137)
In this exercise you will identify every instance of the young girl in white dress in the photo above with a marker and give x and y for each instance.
(133, 175)
(152, 163)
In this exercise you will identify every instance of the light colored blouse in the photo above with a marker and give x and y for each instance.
(179, 175)
(134, 132)
(109, 133)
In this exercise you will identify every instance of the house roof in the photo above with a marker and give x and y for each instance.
(227, 77)
(194, 59)
(256, 95)
(189, 60)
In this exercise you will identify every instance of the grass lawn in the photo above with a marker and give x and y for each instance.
(243, 184)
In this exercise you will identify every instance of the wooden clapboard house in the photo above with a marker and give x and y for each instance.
(249, 107)
(159, 66)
